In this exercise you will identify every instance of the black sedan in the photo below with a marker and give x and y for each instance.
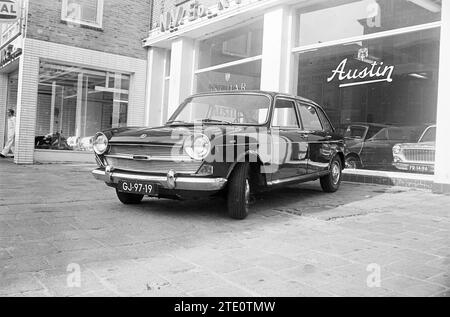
(230, 143)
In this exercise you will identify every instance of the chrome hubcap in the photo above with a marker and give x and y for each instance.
(336, 173)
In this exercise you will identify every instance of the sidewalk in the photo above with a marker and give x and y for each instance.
(365, 240)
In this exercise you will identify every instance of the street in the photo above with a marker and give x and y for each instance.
(64, 234)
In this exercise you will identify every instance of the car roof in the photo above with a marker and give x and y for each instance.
(251, 92)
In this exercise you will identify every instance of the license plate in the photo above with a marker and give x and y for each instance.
(418, 168)
(141, 188)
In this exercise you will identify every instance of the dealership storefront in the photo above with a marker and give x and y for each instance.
(67, 94)
(375, 66)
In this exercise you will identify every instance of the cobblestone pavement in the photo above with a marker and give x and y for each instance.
(298, 241)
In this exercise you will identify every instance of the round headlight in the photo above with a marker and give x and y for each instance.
(100, 143)
(396, 149)
(198, 147)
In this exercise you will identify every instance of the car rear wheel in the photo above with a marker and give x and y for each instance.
(332, 181)
(129, 199)
(239, 192)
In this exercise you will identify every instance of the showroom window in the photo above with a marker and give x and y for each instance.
(231, 60)
(87, 12)
(384, 88)
(374, 67)
(75, 103)
(324, 22)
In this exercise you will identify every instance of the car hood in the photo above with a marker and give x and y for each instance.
(166, 135)
(423, 145)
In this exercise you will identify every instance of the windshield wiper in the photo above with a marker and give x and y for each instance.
(215, 121)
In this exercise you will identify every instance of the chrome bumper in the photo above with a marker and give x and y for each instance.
(181, 183)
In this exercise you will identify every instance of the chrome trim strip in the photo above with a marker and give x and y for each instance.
(181, 183)
(297, 178)
(150, 158)
(146, 145)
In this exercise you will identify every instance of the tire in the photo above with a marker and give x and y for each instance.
(353, 162)
(332, 182)
(238, 198)
(129, 199)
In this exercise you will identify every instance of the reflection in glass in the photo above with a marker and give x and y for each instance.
(373, 112)
(223, 108)
(245, 76)
(75, 103)
(327, 21)
(231, 46)
(284, 115)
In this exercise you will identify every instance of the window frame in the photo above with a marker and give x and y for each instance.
(303, 104)
(324, 117)
(297, 115)
(99, 22)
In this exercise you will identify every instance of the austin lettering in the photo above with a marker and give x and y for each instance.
(376, 70)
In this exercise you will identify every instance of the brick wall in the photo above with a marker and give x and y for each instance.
(125, 24)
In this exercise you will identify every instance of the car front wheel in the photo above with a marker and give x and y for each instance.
(239, 192)
(129, 199)
(332, 181)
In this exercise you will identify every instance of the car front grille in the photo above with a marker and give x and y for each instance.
(152, 150)
(159, 159)
(153, 166)
(420, 155)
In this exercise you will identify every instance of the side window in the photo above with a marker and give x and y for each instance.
(325, 123)
(284, 114)
(310, 118)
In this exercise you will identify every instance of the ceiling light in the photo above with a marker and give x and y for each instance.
(419, 76)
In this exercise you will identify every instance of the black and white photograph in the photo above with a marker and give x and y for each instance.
(221, 155)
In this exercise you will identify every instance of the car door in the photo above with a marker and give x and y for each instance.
(319, 133)
(289, 145)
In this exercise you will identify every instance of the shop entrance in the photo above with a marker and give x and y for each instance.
(11, 99)
(75, 103)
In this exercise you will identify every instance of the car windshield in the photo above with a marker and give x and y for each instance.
(356, 132)
(404, 134)
(223, 109)
(429, 135)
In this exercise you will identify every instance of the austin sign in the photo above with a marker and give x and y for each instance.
(9, 11)
(375, 73)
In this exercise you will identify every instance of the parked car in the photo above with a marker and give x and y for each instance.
(371, 147)
(355, 135)
(417, 157)
(223, 143)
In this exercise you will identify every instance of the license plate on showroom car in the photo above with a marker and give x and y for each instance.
(419, 168)
(140, 188)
